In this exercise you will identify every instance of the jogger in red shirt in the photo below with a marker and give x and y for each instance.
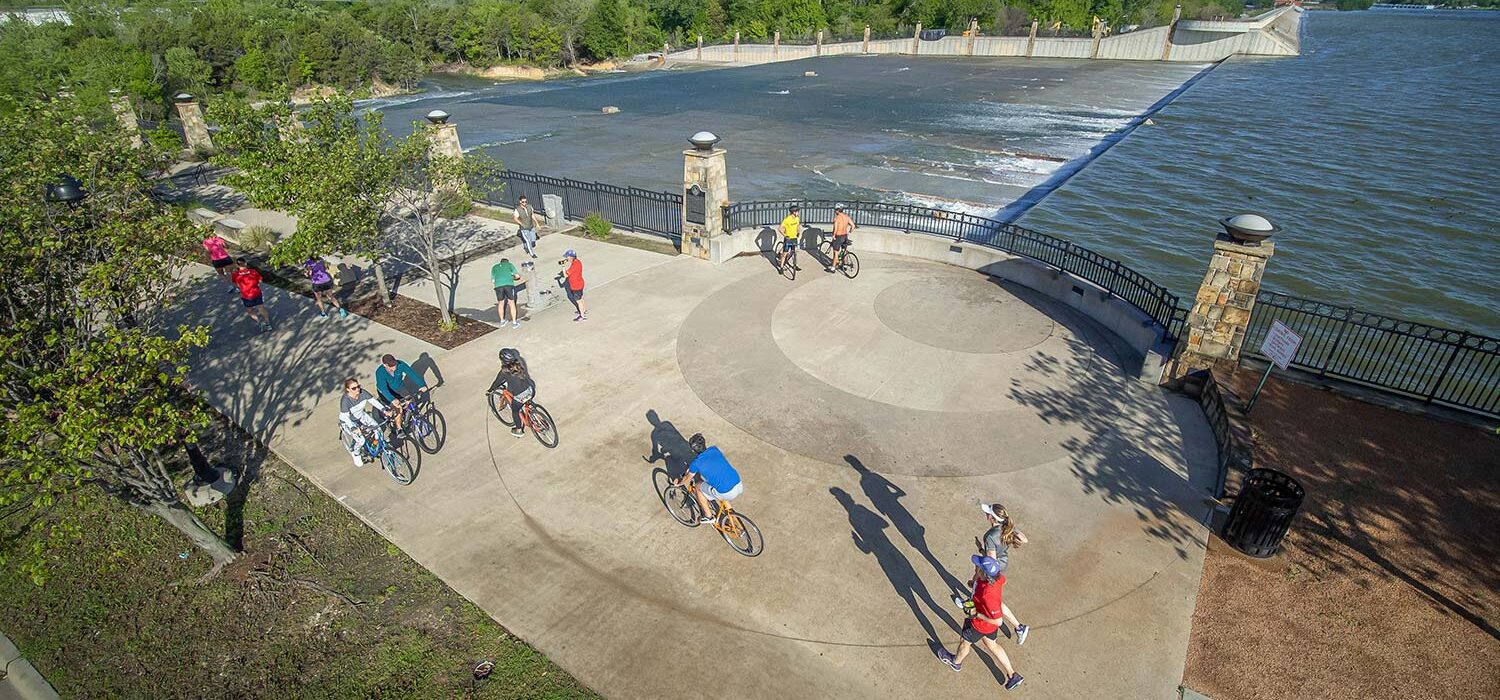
(984, 625)
(248, 280)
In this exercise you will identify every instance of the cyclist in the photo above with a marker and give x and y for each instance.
(390, 382)
(842, 225)
(354, 408)
(514, 377)
(791, 228)
(720, 481)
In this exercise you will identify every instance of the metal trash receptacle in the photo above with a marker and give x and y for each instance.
(1263, 512)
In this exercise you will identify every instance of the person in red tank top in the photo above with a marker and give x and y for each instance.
(248, 281)
(983, 624)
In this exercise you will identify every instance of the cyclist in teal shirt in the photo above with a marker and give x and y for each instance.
(720, 481)
(390, 382)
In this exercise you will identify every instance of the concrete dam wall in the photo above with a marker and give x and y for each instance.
(1275, 33)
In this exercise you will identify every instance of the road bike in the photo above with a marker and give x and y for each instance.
(533, 417)
(789, 270)
(380, 447)
(682, 503)
(424, 424)
(848, 262)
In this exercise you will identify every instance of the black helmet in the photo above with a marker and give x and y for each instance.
(509, 354)
(795, 208)
(697, 442)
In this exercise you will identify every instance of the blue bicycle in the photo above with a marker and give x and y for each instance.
(424, 424)
(382, 449)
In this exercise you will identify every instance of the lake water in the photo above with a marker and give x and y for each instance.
(1376, 150)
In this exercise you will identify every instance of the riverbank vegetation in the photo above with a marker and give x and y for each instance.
(158, 48)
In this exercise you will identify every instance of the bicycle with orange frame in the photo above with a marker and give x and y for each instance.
(682, 503)
(533, 417)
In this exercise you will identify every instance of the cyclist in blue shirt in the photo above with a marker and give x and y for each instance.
(720, 481)
(390, 382)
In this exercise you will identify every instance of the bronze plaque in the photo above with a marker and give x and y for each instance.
(697, 208)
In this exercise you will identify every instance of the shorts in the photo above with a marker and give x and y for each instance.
(575, 294)
(222, 262)
(788, 245)
(505, 293)
(727, 496)
(252, 302)
(972, 636)
(322, 286)
(840, 242)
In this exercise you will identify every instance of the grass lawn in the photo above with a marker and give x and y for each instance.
(319, 606)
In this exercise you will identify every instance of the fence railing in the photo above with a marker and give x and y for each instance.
(1113, 276)
(1436, 365)
(642, 211)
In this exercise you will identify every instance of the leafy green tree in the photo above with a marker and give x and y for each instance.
(93, 379)
(186, 72)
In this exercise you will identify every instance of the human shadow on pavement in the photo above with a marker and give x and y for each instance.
(886, 496)
(768, 242)
(424, 366)
(867, 529)
(668, 445)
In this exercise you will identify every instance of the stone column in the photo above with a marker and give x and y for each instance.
(1098, 33)
(1166, 43)
(867, 39)
(1031, 40)
(194, 128)
(1221, 311)
(703, 171)
(125, 114)
(819, 51)
(444, 143)
(916, 40)
(973, 34)
(776, 45)
(736, 47)
(700, 47)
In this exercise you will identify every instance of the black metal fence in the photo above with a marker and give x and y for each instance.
(642, 211)
(1437, 365)
(1110, 274)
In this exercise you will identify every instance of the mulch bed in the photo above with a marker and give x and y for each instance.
(412, 317)
(1388, 585)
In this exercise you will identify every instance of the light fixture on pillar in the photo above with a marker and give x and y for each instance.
(183, 97)
(438, 116)
(1249, 229)
(66, 189)
(703, 141)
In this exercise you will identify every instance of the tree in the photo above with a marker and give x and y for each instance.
(92, 386)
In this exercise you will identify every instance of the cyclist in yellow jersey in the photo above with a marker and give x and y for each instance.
(791, 228)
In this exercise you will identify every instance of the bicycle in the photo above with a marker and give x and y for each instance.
(533, 416)
(425, 425)
(380, 448)
(789, 269)
(848, 262)
(681, 502)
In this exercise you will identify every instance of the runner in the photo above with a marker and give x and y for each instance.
(322, 284)
(575, 284)
(526, 220)
(842, 225)
(506, 279)
(983, 624)
(996, 544)
(791, 228)
(248, 282)
(219, 257)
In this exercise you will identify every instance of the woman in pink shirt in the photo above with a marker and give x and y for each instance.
(219, 257)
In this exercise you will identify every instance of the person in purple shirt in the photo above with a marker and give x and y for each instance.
(322, 284)
(720, 481)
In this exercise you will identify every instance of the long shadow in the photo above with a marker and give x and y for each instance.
(886, 497)
(425, 366)
(767, 241)
(868, 532)
(668, 445)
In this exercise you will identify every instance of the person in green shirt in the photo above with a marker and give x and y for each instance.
(506, 279)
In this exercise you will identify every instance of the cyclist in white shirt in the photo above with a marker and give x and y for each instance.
(354, 408)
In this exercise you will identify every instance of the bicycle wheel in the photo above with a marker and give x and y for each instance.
(430, 429)
(826, 248)
(398, 466)
(500, 410)
(681, 504)
(543, 427)
(741, 534)
(849, 265)
(789, 270)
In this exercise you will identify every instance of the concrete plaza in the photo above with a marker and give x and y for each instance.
(868, 418)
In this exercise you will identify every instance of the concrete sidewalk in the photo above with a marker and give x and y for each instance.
(867, 422)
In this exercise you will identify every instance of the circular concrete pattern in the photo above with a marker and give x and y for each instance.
(963, 312)
(814, 367)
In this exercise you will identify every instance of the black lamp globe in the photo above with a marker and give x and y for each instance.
(66, 190)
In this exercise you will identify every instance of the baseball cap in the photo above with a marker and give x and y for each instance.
(387, 359)
(570, 254)
(988, 565)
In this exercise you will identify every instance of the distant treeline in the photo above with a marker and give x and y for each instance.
(157, 48)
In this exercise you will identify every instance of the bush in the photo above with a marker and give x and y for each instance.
(257, 239)
(596, 226)
(451, 205)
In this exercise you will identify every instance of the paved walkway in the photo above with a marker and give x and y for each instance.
(868, 417)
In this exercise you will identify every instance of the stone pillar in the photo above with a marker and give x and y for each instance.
(1221, 310)
(704, 171)
(736, 47)
(1031, 40)
(194, 128)
(973, 34)
(1166, 43)
(444, 143)
(776, 45)
(1098, 33)
(700, 47)
(916, 40)
(867, 39)
(125, 114)
(819, 51)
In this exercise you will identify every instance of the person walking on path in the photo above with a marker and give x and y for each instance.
(526, 220)
(983, 624)
(842, 226)
(575, 284)
(506, 279)
(322, 284)
(995, 544)
(218, 256)
(247, 279)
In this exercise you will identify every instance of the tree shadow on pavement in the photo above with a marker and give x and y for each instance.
(886, 496)
(867, 529)
(668, 445)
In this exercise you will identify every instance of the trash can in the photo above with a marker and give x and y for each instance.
(1263, 513)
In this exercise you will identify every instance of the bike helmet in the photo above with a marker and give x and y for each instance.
(838, 207)
(794, 209)
(509, 354)
(697, 442)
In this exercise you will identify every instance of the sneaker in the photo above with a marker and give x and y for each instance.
(358, 462)
(584, 317)
(958, 600)
(947, 658)
(827, 268)
(518, 431)
(1021, 632)
(343, 312)
(1014, 680)
(577, 319)
(322, 315)
(502, 324)
(705, 521)
(515, 324)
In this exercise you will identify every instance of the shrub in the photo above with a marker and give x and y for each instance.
(451, 205)
(596, 226)
(257, 239)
